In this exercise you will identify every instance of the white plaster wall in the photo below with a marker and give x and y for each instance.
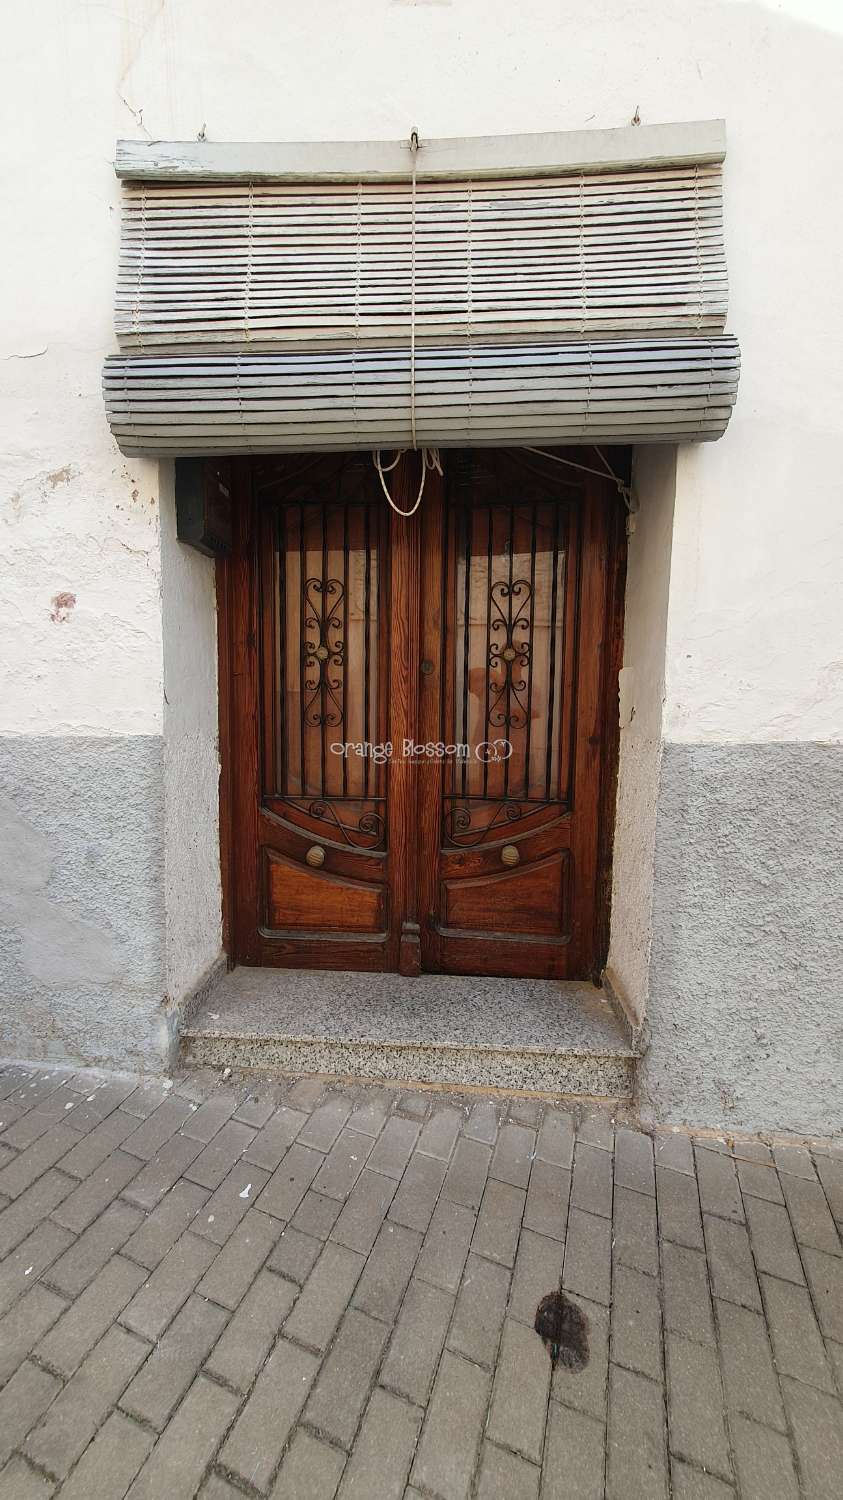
(756, 609)
(191, 757)
(641, 700)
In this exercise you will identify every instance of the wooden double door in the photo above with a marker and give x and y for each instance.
(418, 714)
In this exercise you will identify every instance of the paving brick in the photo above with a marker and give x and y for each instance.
(109, 1465)
(585, 1390)
(362, 1215)
(252, 1330)
(22, 1401)
(148, 1138)
(825, 1279)
(635, 1229)
(38, 1251)
(162, 1172)
(636, 1322)
(386, 1275)
(157, 1389)
(87, 1319)
(596, 1127)
(76, 1414)
(810, 1214)
(757, 1177)
(93, 1195)
(25, 1324)
(342, 1388)
(479, 1314)
(513, 1155)
(259, 1106)
(749, 1378)
(499, 1222)
(817, 1424)
(311, 1470)
(718, 1183)
(446, 1243)
(88, 1254)
(343, 1164)
(394, 1148)
(417, 1342)
(538, 1270)
(467, 1173)
(169, 1286)
(695, 1406)
(232, 1272)
(383, 1451)
(290, 1181)
(679, 1208)
(371, 1113)
(797, 1343)
(835, 1354)
(450, 1438)
(505, 1476)
(316, 1215)
(555, 1141)
(176, 1210)
(295, 1255)
(419, 1189)
(306, 1093)
(98, 1144)
(482, 1123)
(764, 1463)
(771, 1238)
(574, 1458)
(22, 1130)
(326, 1122)
(440, 1133)
(37, 1159)
(591, 1187)
(634, 1161)
(546, 1209)
(673, 1150)
(525, 1112)
(274, 1140)
(19, 1482)
(203, 1123)
(636, 1457)
(324, 1297)
(588, 1256)
(183, 1452)
(691, 1484)
(687, 1299)
(830, 1173)
(21, 1217)
(794, 1161)
(730, 1263)
(215, 1160)
(520, 1392)
(233, 1199)
(147, 1097)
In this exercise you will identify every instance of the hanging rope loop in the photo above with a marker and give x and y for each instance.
(429, 460)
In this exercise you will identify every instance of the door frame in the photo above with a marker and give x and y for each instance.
(236, 587)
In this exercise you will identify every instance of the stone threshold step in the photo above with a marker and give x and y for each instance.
(524, 1035)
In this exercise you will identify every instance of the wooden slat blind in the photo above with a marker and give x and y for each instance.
(261, 316)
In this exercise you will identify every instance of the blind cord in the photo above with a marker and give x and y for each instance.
(414, 147)
(430, 460)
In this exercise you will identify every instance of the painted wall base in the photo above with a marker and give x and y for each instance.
(746, 1000)
(82, 923)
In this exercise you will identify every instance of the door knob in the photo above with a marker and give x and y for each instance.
(510, 855)
(427, 667)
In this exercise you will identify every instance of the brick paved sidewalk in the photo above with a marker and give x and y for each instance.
(302, 1291)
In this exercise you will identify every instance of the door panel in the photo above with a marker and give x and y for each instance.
(517, 661)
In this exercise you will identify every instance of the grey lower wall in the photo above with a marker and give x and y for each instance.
(82, 919)
(746, 973)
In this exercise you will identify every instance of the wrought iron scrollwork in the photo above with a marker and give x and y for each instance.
(324, 651)
(366, 830)
(510, 652)
(465, 825)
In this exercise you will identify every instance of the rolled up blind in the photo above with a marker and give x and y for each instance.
(268, 315)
